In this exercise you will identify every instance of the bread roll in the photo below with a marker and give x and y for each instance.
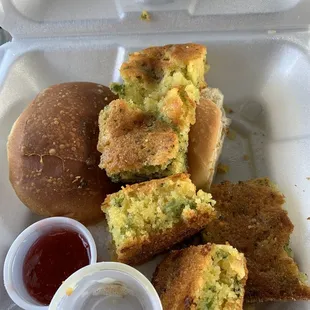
(206, 137)
(53, 160)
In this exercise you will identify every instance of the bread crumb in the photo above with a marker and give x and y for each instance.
(69, 291)
(271, 31)
(308, 218)
(231, 134)
(52, 151)
(246, 157)
(106, 98)
(228, 109)
(308, 178)
(145, 16)
(76, 179)
(222, 168)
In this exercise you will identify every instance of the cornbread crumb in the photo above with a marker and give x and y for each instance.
(227, 109)
(231, 134)
(273, 274)
(145, 16)
(246, 157)
(202, 277)
(222, 168)
(271, 31)
(147, 218)
(69, 291)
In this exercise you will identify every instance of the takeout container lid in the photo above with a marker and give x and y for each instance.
(106, 285)
(41, 19)
(50, 26)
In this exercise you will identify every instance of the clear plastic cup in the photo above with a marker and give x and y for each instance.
(109, 286)
(12, 271)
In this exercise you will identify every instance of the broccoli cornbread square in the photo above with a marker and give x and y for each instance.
(148, 218)
(251, 218)
(202, 277)
(135, 145)
(151, 72)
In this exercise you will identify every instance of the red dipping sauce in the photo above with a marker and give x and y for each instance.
(51, 260)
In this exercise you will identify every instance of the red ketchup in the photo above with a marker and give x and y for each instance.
(51, 260)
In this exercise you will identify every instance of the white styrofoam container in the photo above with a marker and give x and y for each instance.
(264, 75)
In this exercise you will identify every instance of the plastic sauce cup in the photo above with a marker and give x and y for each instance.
(109, 286)
(13, 265)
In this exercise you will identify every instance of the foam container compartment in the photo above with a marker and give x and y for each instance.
(264, 75)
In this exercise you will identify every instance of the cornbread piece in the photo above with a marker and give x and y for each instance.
(202, 277)
(150, 73)
(52, 155)
(135, 145)
(147, 218)
(163, 82)
(251, 218)
(206, 137)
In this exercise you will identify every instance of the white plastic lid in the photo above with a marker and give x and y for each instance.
(109, 286)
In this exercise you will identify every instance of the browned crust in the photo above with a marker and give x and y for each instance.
(143, 250)
(252, 220)
(146, 187)
(150, 63)
(53, 161)
(176, 278)
(131, 139)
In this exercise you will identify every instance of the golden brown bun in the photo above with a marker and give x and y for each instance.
(53, 160)
(206, 137)
(251, 219)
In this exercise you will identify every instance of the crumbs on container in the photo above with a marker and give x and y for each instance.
(308, 218)
(228, 109)
(222, 168)
(308, 178)
(246, 157)
(271, 31)
(231, 134)
(145, 16)
(69, 291)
